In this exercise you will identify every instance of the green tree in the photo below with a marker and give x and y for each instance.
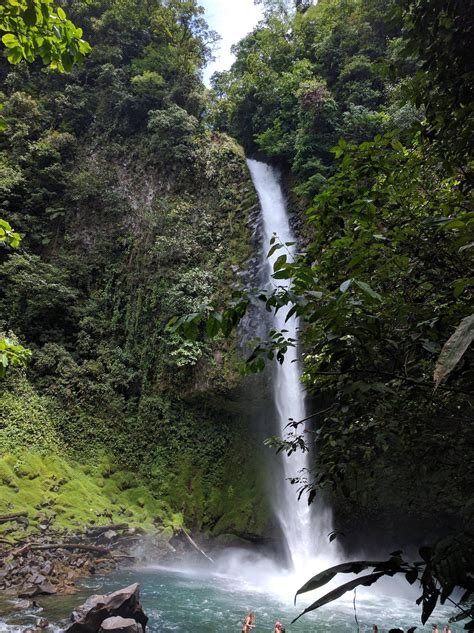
(34, 28)
(440, 37)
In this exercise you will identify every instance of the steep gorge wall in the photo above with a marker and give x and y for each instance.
(137, 248)
(132, 211)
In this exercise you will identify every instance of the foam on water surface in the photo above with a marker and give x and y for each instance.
(194, 600)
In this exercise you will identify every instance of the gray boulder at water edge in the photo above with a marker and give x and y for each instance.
(120, 625)
(123, 605)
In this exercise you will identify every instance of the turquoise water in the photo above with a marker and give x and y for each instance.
(195, 602)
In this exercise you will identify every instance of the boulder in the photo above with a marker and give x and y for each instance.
(42, 623)
(31, 590)
(125, 603)
(48, 568)
(120, 625)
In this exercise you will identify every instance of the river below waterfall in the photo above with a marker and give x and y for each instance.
(187, 601)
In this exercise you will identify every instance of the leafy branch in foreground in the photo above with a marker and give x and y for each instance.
(12, 354)
(447, 567)
(35, 28)
(8, 236)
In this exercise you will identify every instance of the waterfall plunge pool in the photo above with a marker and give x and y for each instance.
(194, 600)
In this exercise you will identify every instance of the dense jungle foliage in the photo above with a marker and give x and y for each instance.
(366, 105)
(129, 210)
(383, 277)
(132, 202)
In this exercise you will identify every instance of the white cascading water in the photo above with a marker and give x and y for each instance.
(306, 533)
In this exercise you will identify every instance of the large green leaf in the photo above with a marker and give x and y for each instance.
(367, 290)
(454, 349)
(342, 589)
(354, 567)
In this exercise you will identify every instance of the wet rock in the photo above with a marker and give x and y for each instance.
(42, 623)
(118, 624)
(45, 504)
(89, 617)
(24, 604)
(28, 591)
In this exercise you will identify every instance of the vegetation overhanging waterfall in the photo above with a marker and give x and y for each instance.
(303, 529)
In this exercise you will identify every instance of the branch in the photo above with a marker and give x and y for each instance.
(309, 417)
(188, 536)
(72, 546)
(5, 518)
(97, 531)
(426, 385)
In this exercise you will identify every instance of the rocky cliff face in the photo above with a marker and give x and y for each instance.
(126, 224)
(138, 246)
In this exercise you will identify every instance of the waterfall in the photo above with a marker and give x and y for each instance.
(305, 531)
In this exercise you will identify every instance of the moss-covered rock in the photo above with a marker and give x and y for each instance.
(71, 496)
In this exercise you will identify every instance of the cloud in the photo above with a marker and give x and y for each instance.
(232, 19)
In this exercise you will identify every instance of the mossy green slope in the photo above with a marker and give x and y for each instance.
(70, 496)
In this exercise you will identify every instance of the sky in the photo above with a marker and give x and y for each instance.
(232, 19)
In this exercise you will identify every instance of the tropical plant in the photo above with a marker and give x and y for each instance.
(11, 353)
(442, 569)
(36, 28)
(8, 236)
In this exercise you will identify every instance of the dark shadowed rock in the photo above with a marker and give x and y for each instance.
(89, 617)
(120, 625)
